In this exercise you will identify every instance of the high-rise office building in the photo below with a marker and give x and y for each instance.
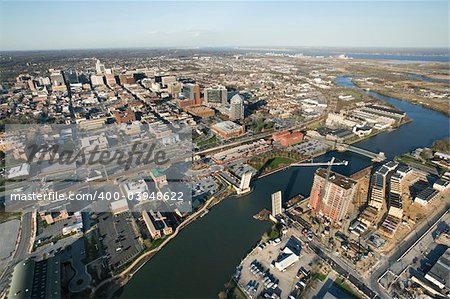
(174, 88)
(331, 198)
(276, 203)
(236, 107)
(72, 77)
(191, 91)
(110, 79)
(216, 95)
(97, 80)
(57, 78)
(165, 81)
(99, 67)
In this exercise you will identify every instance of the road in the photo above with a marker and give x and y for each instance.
(344, 271)
(340, 267)
(257, 137)
(404, 246)
(21, 251)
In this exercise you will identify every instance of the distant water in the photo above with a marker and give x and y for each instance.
(427, 79)
(371, 56)
(430, 58)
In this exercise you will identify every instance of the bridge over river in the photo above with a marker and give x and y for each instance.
(342, 147)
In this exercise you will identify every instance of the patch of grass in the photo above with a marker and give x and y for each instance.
(4, 216)
(277, 161)
(92, 251)
(319, 275)
(156, 243)
(261, 124)
(205, 142)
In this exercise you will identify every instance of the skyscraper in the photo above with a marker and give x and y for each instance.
(333, 198)
(99, 67)
(57, 78)
(191, 91)
(276, 203)
(236, 107)
(72, 77)
(216, 95)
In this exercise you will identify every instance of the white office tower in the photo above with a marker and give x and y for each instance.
(244, 186)
(236, 107)
(276, 203)
(97, 80)
(99, 67)
(215, 95)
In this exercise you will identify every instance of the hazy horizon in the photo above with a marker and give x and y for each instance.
(64, 25)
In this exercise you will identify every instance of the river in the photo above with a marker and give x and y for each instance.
(198, 262)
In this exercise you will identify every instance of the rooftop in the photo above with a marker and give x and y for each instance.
(337, 179)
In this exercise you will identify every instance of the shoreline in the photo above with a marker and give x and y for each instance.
(127, 274)
(123, 277)
(400, 98)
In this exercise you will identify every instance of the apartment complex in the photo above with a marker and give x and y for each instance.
(332, 199)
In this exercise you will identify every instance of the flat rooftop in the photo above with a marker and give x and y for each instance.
(440, 271)
(227, 126)
(336, 178)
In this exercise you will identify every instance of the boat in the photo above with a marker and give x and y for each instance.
(204, 213)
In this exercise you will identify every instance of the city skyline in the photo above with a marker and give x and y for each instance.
(74, 25)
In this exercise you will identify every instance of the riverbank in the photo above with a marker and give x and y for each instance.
(108, 287)
(438, 105)
(215, 244)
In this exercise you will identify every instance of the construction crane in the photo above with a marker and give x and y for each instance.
(323, 190)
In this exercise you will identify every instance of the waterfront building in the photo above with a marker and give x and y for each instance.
(156, 224)
(425, 196)
(36, 279)
(332, 198)
(276, 203)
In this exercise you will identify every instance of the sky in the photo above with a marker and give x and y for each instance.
(62, 24)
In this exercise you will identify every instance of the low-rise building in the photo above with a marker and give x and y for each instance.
(425, 196)
(439, 273)
(227, 129)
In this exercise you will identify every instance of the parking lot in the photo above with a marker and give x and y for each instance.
(267, 278)
(54, 230)
(310, 147)
(118, 238)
